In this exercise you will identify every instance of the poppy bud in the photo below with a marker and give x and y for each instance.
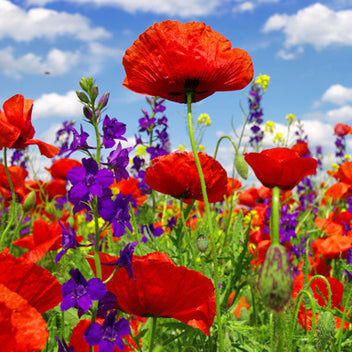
(325, 331)
(241, 166)
(275, 279)
(202, 243)
(82, 96)
(29, 202)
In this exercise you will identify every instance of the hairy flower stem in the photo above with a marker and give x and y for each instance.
(275, 216)
(152, 335)
(13, 202)
(209, 221)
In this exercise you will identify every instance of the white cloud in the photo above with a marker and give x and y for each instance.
(53, 104)
(247, 6)
(337, 94)
(57, 62)
(289, 55)
(21, 25)
(342, 114)
(315, 25)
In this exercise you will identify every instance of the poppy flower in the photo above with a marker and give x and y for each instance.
(232, 185)
(61, 167)
(171, 59)
(16, 126)
(160, 288)
(332, 247)
(176, 174)
(280, 167)
(17, 175)
(301, 148)
(26, 292)
(341, 129)
(45, 237)
(130, 186)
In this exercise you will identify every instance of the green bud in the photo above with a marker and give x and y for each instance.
(275, 278)
(84, 84)
(29, 202)
(94, 91)
(325, 330)
(82, 96)
(202, 243)
(241, 166)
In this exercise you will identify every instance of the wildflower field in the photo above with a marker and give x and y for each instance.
(148, 248)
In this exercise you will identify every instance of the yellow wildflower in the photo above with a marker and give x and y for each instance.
(262, 81)
(141, 150)
(269, 126)
(291, 118)
(204, 119)
(279, 138)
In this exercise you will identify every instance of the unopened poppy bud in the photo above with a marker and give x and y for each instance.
(87, 112)
(82, 96)
(29, 202)
(275, 279)
(202, 243)
(325, 330)
(241, 166)
(94, 91)
(103, 101)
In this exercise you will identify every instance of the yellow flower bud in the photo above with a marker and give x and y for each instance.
(279, 138)
(291, 118)
(204, 119)
(269, 126)
(141, 150)
(201, 148)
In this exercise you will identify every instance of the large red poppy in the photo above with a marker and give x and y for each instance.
(16, 126)
(160, 288)
(280, 167)
(176, 174)
(341, 129)
(26, 291)
(170, 59)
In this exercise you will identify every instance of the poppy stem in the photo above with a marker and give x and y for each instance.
(13, 202)
(208, 214)
(275, 216)
(152, 335)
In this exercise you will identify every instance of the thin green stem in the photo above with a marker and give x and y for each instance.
(275, 216)
(152, 335)
(218, 144)
(13, 203)
(209, 220)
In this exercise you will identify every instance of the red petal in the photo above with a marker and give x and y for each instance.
(45, 149)
(34, 283)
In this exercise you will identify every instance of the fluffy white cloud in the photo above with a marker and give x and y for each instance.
(22, 25)
(337, 94)
(56, 62)
(316, 25)
(342, 114)
(246, 6)
(53, 104)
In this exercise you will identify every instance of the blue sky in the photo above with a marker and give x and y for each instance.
(304, 46)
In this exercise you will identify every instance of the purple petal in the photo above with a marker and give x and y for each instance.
(96, 289)
(93, 334)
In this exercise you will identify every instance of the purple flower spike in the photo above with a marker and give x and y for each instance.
(112, 130)
(108, 335)
(78, 293)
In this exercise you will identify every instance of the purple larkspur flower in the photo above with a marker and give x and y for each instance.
(106, 303)
(116, 211)
(118, 161)
(113, 129)
(150, 230)
(125, 259)
(87, 181)
(108, 335)
(68, 241)
(79, 293)
(79, 141)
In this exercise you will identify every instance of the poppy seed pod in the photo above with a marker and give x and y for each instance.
(275, 279)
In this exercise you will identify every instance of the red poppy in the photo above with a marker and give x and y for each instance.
(320, 294)
(232, 185)
(341, 129)
(280, 167)
(160, 288)
(176, 174)
(16, 126)
(337, 223)
(17, 175)
(130, 186)
(46, 237)
(26, 291)
(60, 167)
(332, 247)
(170, 59)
